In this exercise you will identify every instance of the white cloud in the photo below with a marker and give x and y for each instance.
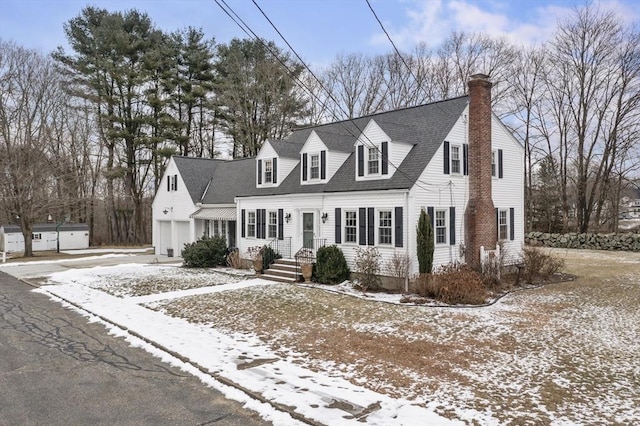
(432, 21)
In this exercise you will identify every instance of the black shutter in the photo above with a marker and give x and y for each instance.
(500, 163)
(512, 220)
(362, 226)
(259, 172)
(452, 226)
(371, 223)
(432, 219)
(175, 178)
(385, 158)
(446, 157)
(280, 224)
(465, 159)
(338, 216)
(304, 167)
(168, 183)
(323, 164)
(274, 178)
(399, 226)
(243, 222)
(263, 213)
(360, 160)
(498, 223)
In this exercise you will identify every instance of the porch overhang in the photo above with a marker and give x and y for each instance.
(214, 213)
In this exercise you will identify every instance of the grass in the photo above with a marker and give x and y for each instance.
(564, 352)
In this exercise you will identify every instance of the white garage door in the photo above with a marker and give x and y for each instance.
(165, 236)
(183, 236)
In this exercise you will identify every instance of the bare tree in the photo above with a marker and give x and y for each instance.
(28, 99)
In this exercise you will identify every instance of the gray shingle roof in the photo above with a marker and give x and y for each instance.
(48, 227)
(230, 179)
(287, 148)
(425, 126)
(196, 173)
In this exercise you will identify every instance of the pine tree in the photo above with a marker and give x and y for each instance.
(424, 237)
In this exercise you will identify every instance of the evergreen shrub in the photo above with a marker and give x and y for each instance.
(207, 252)
(331, 265)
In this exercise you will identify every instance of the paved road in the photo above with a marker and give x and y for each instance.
(57, 369)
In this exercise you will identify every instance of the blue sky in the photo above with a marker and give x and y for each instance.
(318, 29)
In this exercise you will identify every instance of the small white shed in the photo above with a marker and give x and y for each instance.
(45, 237)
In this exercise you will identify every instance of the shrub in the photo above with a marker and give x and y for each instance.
(367, 265)
(424, 240)
(269, 255)
(205, 253)
(235, 261)
(539, 264)
(398, 266)
(453, 284)
(331, 266)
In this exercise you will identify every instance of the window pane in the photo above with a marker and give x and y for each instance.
(216, 231)
(441, 226)
(315, 166)
(251, 224)
(493, 163)
(273, 224)
(502, 225)
(455, 159)
(384, 228)
(268, 169)
(351, 226)
(373, 160)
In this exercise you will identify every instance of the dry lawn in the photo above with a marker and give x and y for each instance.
(564, 353)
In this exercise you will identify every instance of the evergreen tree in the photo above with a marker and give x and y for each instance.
(256, 95)
(424, 237)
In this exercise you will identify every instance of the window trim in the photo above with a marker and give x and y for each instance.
(455, 160)
(436, 227)
(268, 164)
(494, 163)
(505, 224)
(375, 161)
(354, 226)
(312, 167)
(274, 224)
(251, 214)
(390, 227)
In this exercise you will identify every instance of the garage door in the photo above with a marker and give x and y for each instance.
(183, 236)
(165, 236)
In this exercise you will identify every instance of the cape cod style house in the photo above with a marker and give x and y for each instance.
(361, 182)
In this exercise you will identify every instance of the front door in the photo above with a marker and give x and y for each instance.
(307, 230)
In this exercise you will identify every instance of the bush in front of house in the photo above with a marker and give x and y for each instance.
(269, 256)
(331, 265)
(540, 265)
(453, 284)
(367, 263)
(424, 241)
(207, 252)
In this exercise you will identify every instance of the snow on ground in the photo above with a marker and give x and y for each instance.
(241, 358)
(65, 260)
(564, 354)
(107, 250)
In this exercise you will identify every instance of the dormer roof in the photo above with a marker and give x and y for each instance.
(195, 173)
(287, 148)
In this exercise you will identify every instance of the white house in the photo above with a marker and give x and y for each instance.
(72, 236)
(364, 182)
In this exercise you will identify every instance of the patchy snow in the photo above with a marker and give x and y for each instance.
(555, 355)
(240, 358)
(107, 250)
(65, 260)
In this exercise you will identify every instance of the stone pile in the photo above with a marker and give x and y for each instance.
(622, 242)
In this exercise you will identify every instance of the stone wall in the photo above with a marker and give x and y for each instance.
(624, 242)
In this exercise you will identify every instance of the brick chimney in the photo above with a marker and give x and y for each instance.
(480, 214)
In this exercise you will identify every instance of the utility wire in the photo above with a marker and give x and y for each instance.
(228, 10)
(371, 143)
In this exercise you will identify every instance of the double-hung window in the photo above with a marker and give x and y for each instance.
(314, 167)
(251, 224)
(384, 227)
(216, 229)
(350, 227)
(441, 226)
(268, 171)
(207, 228)
(273, 224)
(373, 163)
(503, 227)
(455, 159)
(493, 164)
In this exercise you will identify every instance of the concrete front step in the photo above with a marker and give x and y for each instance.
(283, 270)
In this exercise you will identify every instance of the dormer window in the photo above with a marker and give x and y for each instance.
(374, 161)
(314, 168)
(267, 171)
